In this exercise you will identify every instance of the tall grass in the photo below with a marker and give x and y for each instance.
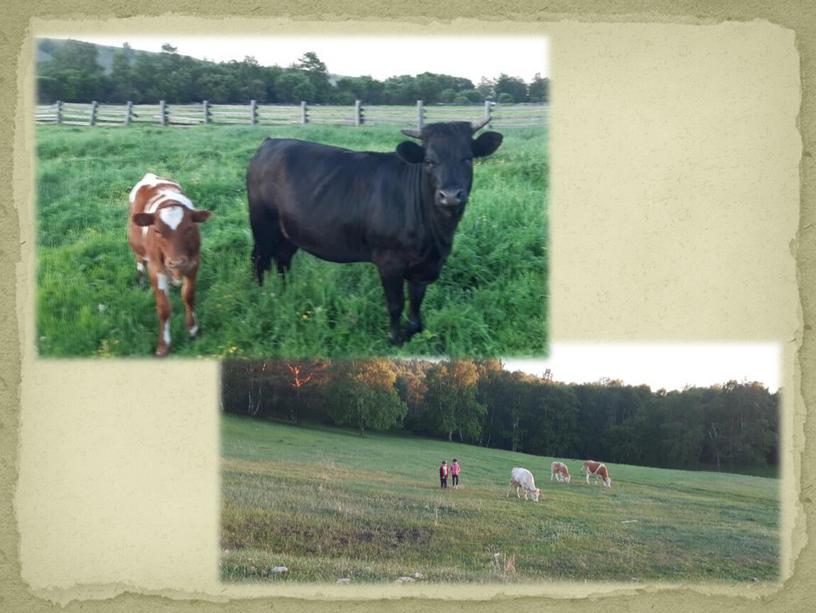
(329, 504)
(490, 300)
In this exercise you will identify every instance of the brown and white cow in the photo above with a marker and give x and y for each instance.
(163, 234)
(598, 470)
(559, 472)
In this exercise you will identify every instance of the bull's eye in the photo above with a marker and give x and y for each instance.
(430, 163)
(468, 161)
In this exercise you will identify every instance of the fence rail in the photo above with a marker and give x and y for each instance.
(179, 115)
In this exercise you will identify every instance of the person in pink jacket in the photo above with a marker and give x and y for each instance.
(454, 470)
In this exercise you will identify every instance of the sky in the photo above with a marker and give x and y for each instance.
(380, 57)
(668, 366)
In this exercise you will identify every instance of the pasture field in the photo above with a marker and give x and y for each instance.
(329, 504)
(490, 300)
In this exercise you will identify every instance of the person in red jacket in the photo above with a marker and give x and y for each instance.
(443, 474)
(454, 470)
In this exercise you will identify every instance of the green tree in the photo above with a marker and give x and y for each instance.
(512, 86)
(122, 74)
(451, 400)
(293, 86)
(317, 74)
(539, 89)
(363, 395)
(487, 89)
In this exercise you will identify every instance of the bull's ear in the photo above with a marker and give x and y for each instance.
(411, 152)
(486, 144)
(144, 219)
(200, 216)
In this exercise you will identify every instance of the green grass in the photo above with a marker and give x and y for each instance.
(327, 504)
(490, 300)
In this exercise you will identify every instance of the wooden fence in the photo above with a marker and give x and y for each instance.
(109, 115)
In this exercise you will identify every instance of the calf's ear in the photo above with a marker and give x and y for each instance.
(411, 152)
(486, 144)
(144, 219)
(200, 216)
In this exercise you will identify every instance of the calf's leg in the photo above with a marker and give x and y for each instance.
(140, 271)
(160, 290)
(188, 290)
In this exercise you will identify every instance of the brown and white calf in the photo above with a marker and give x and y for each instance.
(597, 469)
(163, 234)
(559, 472)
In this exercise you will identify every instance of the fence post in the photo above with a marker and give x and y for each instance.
(253, 112)
(128, 112)
(420, 115)
(59, 111)
(205, 109)
(304, 113)
(358, 113)
(163, 112)
(92, 120)
(487, 113)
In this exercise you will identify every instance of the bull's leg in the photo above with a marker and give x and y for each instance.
(160, 291)
(392, 281)
(269, 240)
(416, 293)
(283, 255)
(188, 290)
(509, 487)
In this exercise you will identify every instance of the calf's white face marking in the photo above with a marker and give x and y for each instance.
(172, 216)
(139, 266)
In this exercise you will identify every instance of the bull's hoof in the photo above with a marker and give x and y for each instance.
(396, 339)
(162, 351)
(410, 329)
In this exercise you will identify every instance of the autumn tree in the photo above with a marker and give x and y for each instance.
(363, 395)
(451, 401)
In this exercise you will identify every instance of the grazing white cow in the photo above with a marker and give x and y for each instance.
(559, 472)
(522, 480)
(597, 469)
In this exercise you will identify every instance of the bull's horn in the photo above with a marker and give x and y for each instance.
(478, 124)
(412, 133)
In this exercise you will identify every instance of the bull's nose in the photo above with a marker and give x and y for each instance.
(451, 197)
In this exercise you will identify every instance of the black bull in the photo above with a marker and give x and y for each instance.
(398, 210)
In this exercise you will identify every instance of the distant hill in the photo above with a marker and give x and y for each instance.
(104, 53)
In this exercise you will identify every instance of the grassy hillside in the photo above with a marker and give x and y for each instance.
(328, 504)
(490, 300)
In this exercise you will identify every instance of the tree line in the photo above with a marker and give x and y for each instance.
(73, 74)
(479, 402)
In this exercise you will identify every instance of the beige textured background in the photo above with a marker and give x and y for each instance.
(674, 216)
